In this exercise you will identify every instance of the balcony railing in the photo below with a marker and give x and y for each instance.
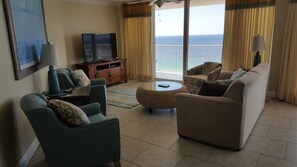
(169, 58)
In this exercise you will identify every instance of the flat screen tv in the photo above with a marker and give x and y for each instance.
(99, 47)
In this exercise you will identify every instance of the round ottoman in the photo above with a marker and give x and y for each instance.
(159, 94)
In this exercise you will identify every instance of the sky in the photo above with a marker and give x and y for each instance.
(203, 20)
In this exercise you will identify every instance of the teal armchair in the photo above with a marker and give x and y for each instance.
(98, 87)
(93, 144)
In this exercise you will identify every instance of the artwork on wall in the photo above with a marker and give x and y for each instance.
(27, 32)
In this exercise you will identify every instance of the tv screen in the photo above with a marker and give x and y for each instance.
(99, 47)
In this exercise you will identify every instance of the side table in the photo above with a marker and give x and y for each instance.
(76, 95)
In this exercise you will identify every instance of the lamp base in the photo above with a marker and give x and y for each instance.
(53, 82)
(257, 59)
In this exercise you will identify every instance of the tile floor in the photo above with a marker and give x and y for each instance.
(151, 140)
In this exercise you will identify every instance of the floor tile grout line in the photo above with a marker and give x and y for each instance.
(184, 156)
(261, 153)
(286, 151)
(140, 153)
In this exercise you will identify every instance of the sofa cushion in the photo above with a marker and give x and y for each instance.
(80, 78)
(237, 74)
(213, 89)
(68, 113)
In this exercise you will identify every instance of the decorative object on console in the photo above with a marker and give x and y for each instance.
(258, 45)
(49, 56)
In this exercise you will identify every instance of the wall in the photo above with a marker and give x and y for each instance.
(281, 10)
(86, 18)
(16, 137)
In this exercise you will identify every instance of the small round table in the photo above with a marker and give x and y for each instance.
(153, 96)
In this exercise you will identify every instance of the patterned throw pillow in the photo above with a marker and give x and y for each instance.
(80, 78)
(68, 113)
(214, 75)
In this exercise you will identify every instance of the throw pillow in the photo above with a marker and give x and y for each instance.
(80, 78)
(237, 74)
(213, 89)
(68, 113)
(214, 75)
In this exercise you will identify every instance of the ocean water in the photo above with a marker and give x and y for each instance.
(193, 40)
(169, 51)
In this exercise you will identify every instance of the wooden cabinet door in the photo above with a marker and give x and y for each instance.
(103, 74)
(115, 74)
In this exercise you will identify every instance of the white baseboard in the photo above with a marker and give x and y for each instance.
(29, 153)
(270, 94)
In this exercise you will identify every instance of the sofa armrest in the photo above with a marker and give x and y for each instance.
(214, 120)
(91, 109)
(99, 81)
(225, 75)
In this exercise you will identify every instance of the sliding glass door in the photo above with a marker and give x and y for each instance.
(206, 28)
(169, 21)
(206, 25)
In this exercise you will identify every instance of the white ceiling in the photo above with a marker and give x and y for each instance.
(169, 5)
(102, 2)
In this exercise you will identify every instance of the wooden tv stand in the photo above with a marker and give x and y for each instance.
(113, 71)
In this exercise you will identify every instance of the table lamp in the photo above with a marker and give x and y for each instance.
(258, 45)
(49, 56)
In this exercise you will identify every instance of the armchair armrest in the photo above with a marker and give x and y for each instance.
(91, 109)
(98, 94)
(214, 120)
(96, 143)
(195, 70)
(99, 81)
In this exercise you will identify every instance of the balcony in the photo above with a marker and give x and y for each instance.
(169, 58)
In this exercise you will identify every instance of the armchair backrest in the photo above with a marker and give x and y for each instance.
(209, 67)
(65, 78)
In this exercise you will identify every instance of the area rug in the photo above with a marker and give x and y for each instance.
(123, 95)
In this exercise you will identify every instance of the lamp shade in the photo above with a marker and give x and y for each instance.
(258, 43)
(49, 55)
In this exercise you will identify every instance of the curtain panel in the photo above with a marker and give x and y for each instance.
(245, 19)
(138, 40)
(287, 86)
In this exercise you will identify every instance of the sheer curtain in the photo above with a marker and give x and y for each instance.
(138, 40)
(287, 86)
(245, 19)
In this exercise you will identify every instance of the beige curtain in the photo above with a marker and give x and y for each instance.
(287, 86)
(138, 41)
(245, 19)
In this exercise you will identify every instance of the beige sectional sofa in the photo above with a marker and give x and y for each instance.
(225, 121)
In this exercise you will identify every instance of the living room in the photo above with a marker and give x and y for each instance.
(65, 22)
